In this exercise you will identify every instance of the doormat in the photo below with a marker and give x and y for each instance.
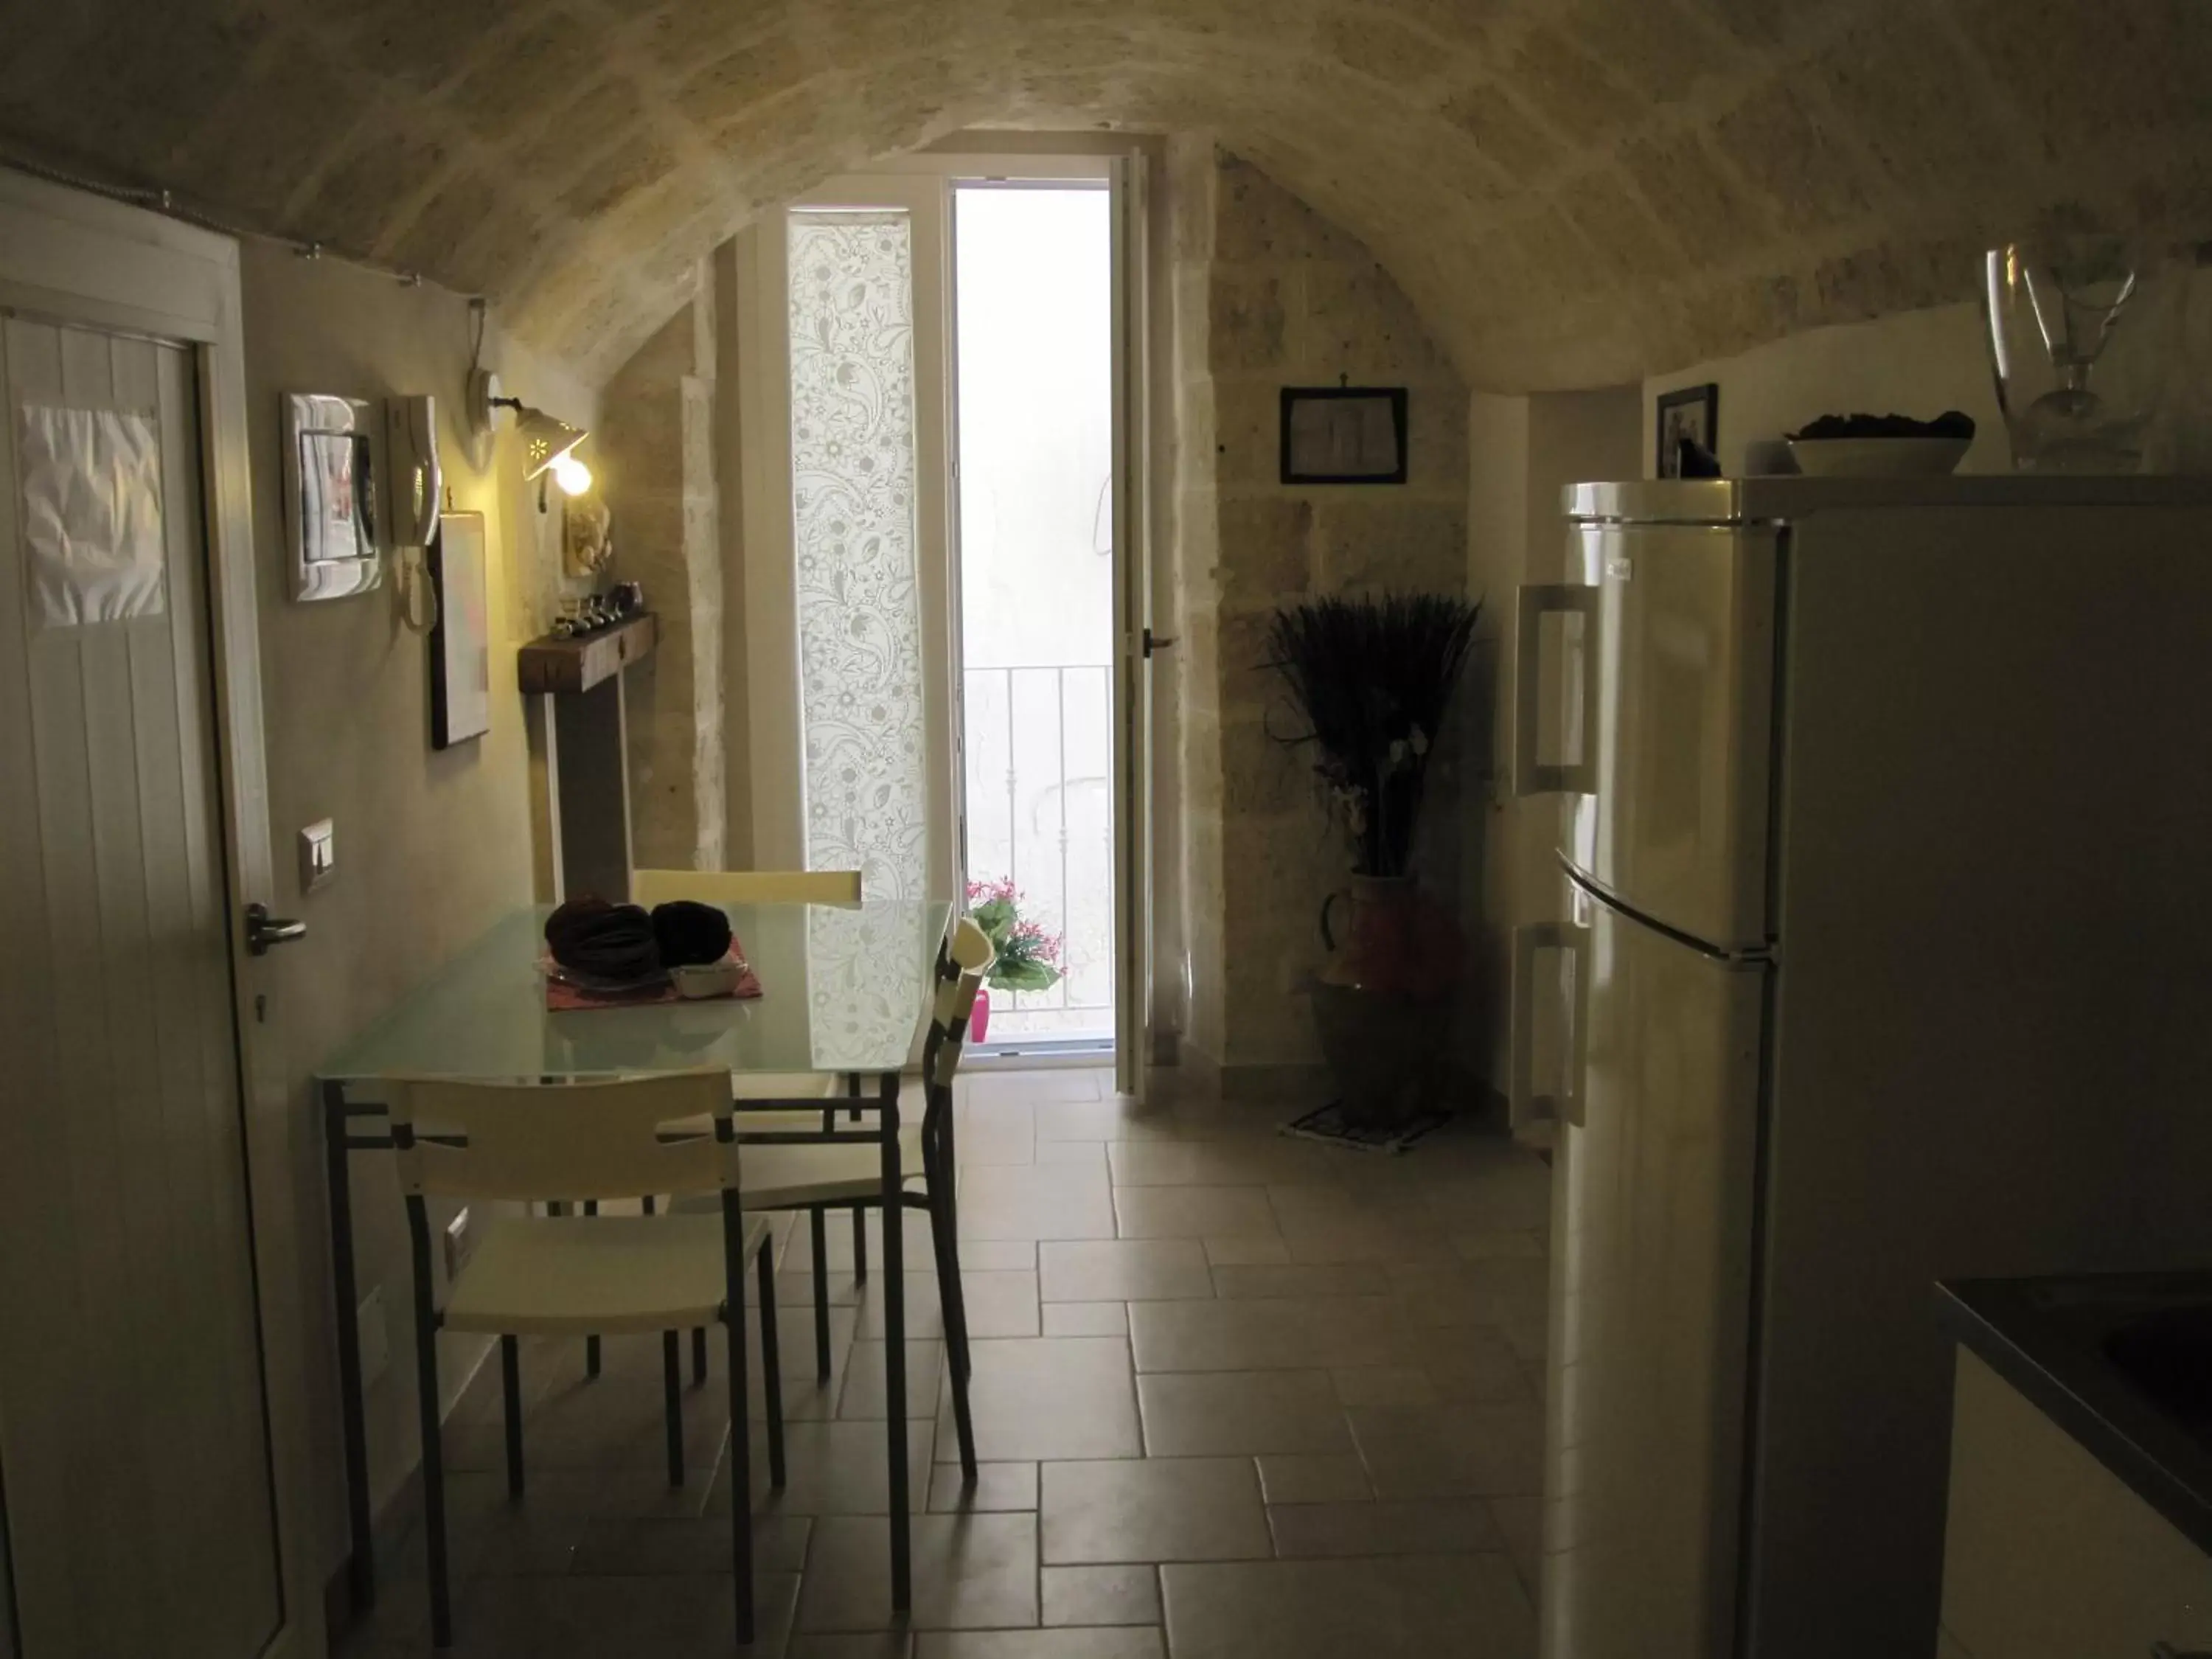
(1328, 1124)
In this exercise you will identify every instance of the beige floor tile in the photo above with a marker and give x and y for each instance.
(970, 1571)
(1519, 1290)
(1194, 1213)
(1225, 1413)
(1380, 1608)
(1091, 1154)
(1340, 1278)
(1244, 1161)
(872, 1644)
(1314, 1478)
(1514, 1196)
(1035, 1087)
(1114, 1118)
(864, 1398)
(647, 1545)
(1128, 1643)
(1123, 1595)
(1049, 1397)
(1123, 1270)
(799, 1253)
(1475, 1365)
(1451, 1451)
(1247, 1252)
(1036, 1202)
(922, 1316)
(1086, 1319)
(1521, 1524)
(1000, 1303)
(1284, 1335)
(1385, 1385)
(1428, 1526)
(1487, 1246)
(990, 1255)
(999, 1487)
(994, 1131)
(678, 1617)
(1153, 1509)
(838, 1468)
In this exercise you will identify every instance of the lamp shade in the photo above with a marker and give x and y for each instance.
(544, 439)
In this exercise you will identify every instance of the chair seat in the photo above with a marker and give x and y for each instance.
(792, 1177)
(579, 1275)
(764, 1085)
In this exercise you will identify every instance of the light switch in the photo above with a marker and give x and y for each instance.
(319, 856)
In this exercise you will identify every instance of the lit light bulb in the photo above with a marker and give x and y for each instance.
(572, 475)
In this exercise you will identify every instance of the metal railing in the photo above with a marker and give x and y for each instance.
(1039, 798)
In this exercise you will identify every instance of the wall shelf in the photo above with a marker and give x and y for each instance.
(556, 666)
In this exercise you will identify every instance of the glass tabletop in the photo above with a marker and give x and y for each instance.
(842, 990)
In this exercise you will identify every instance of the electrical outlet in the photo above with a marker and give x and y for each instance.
(373, 1336)
(460, 1246)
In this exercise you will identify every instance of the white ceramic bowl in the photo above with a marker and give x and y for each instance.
(707, 979)
(1879, 457)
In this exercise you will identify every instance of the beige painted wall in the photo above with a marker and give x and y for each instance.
(1292, 299)
(432, 847)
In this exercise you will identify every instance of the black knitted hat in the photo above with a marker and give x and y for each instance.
(607, 941)
(688, 932)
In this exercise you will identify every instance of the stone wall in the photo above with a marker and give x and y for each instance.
(656, 445)
(1576, 192)
(1289, 299)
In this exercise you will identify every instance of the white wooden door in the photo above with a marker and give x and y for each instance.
(134, 1441)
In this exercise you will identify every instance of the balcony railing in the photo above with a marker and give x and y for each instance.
(1039, 809)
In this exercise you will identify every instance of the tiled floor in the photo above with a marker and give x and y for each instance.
(1234, 1395)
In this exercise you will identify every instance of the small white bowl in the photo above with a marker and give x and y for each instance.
(698, 979)
(1879, 457)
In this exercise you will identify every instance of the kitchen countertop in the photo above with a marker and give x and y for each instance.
(2045, 1337)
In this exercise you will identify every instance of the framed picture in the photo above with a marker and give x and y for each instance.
(1344, 435)
(1692, 413)
(460, 638)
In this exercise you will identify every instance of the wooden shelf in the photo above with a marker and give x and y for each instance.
(567, 666)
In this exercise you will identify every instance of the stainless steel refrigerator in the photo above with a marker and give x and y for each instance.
(1886, 835)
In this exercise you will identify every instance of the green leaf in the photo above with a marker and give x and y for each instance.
(1024, 976)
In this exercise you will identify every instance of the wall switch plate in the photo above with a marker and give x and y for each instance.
(376, 1338)
(319, 856)
(460, 1246)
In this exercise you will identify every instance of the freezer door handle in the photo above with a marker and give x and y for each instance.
(1526, 1108)
(1533, 602)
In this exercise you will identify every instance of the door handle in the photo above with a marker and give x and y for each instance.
(1532, 604)
(1524, 1106)
(1150, 642)
(263, 930)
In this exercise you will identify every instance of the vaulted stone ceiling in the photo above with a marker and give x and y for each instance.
(1575, 191)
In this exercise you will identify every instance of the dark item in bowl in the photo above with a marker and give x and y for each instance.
(1951, 423)
(689, 932)
(614, 943)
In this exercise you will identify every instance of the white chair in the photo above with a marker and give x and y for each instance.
(564, 1275)
(727, 887)
(652, 887)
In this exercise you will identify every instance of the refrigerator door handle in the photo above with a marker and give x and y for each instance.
(1533, 602)
(1525, 1106)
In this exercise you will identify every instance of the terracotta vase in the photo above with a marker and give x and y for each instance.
(1381, 1006)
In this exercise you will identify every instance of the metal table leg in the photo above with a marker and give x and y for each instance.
(894, 1346)
(361, 1558)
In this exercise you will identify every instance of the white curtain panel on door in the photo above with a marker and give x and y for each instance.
(855, 538)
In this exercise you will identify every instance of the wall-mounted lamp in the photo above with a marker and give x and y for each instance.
(548, 442)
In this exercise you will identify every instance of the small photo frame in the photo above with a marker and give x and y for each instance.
(1692, 413)
(1344, 435)
(460, 638)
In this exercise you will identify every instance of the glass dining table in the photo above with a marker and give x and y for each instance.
(845, 990)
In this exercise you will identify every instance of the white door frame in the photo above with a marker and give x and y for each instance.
(75, 257)
(922, 182)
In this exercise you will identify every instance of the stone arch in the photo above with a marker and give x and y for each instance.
(1571, 193)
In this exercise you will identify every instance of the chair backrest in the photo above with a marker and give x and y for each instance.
(652, 887)
(969, 956)
(567, 1140)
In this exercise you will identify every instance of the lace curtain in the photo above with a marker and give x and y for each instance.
(853, 458)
